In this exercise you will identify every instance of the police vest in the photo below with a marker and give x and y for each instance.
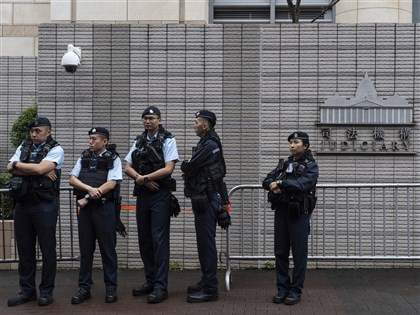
(94, 171)
(148, 155)
(40, 186)
(208, 178)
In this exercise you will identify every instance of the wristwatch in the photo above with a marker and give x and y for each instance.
(146, 179)
(14, 164)
(87, 196)
(279, 182)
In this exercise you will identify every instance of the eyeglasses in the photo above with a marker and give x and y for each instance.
(149, 118)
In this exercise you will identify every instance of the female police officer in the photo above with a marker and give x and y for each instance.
(291, 188)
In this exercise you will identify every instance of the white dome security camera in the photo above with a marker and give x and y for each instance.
(71, 59)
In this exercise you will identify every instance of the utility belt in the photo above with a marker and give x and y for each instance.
(295, 204)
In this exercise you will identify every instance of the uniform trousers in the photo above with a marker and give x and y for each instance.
(97, 221)
(291, 233)
(153, 226)
(205, 229)
(32, 221)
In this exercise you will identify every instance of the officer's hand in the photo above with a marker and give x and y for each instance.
(152, 185)
(95, 193)
(52, 175)
(82, 202)
(223, 217)
(275, 188)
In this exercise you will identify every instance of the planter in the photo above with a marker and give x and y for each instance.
(7, 244)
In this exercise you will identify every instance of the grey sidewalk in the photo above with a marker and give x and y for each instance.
(327, 291)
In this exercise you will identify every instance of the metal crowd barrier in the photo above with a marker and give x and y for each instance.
(67, 248)
(350, 222)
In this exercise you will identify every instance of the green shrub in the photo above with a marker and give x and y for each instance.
(6, 203)
(20, 126)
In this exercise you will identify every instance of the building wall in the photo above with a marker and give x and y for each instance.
(19, 20)
(263, 82)
(368, 11)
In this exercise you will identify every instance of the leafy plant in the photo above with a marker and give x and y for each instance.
(20, 126)
(6, 203)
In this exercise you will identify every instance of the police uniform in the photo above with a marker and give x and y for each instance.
(35, 217)
(205, 168)
(147, 155)
(97, 220)
(293, 207)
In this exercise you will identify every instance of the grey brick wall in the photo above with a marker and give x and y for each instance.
(263, 82)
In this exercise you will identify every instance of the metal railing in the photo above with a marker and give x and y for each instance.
(67, 247)
(350, 222)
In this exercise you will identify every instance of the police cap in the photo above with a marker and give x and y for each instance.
(151, 110)
(99, 130)
(40, 121)
(299, 135)
(204, 113)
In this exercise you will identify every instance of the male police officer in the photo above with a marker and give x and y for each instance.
(35, 186)
(203, 175)
(95, 179)
(150, 162)
(292, 195)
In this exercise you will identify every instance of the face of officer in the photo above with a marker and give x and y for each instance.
(97, 143)
(297, 148)
(201, 126)
(151, 123)
(39, 134)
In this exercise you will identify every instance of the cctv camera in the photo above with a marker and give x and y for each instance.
(71, 59)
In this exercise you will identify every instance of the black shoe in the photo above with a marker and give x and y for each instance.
(20, 298)
(203, 296)
(195, 287)
(157, 296)
(292, 298)
(81, 296)
(144, 289)
(45, 299)
(280, 297)
(111, 295)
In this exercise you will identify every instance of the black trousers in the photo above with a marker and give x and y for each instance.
(153, 226)
(32, 222)
(205, 229)
(97, 221)
(291, 233)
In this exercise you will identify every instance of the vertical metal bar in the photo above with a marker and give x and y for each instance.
(265, 223)
(347, 222)
(335, 222)
(242, 224)
(408, 221)
(372, 220)
(396, 220)
(384, 219)
(252, 222)
(323, 224)
(360, 225)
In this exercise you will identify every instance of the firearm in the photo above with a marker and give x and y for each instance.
(117, 204)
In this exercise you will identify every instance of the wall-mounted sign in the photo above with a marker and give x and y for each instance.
(365, 123)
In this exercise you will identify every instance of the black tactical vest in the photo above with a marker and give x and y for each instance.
(148, 155)
(94, 171)
(40, 186)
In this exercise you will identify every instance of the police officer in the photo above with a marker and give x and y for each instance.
(35, 187)
(291, 188)
(96, 178)
(203, 176)
(150, 162)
